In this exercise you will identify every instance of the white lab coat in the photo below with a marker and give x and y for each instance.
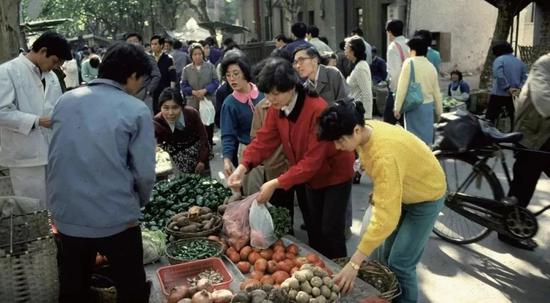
(22, 101)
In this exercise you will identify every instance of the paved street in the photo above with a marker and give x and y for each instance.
(487, 271)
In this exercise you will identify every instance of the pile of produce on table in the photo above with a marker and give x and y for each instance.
(193, 249)
(177, 195)
(202, 293)
(154, 244)
(271, 266)
(450, 104)
(281, 220)
(196, 219)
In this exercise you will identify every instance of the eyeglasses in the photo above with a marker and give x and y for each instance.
(300, 60)
(234, 75)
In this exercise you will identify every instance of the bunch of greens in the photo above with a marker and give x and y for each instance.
(281, 220)
(178, 195)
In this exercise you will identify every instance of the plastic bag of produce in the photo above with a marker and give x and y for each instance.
(262, 229)
(235, 222)
(154, 244)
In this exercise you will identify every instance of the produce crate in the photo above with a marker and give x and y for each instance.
(28, 259)
(171, 247)
(176, 275)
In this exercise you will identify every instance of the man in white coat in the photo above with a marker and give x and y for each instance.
(29, 90)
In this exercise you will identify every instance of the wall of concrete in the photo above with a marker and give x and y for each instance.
(470, 23)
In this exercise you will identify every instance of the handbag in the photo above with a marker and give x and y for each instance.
(414, 97)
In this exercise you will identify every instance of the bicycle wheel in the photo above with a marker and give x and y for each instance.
(452, 226)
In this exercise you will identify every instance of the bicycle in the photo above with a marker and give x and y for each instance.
(472, 212)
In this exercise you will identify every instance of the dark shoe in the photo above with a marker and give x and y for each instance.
(357, 178)
(527, 244)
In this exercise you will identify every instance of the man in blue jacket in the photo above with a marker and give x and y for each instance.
(101, 172)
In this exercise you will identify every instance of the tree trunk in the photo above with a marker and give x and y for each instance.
(505, 19)
(9, 29)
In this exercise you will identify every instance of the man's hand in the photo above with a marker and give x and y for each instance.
(199, 168)
(235, 180)
(45, 122)
(227, 167)
(266, 191)
(513, 91)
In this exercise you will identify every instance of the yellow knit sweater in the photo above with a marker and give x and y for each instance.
(403, 170)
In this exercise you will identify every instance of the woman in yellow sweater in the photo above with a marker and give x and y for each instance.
(409, 191)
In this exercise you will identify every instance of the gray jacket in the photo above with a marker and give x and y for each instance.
(330, 84)
(149, 84)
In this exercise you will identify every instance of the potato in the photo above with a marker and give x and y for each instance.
(300, 276)
(222, 296)
(258, 296)
(319, 272)
(250, 285)
(333, 296)
(313, 300)
(292, 294)
(316, 282)
(315, 291)
(328, 282)
(302, 297)
(305, 286)
(325, 291)
(321, 299)
(245, 251)
(293, 283)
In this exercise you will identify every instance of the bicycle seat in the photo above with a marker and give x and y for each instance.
(498, 137)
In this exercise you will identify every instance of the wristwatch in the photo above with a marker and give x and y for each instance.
(353, 265)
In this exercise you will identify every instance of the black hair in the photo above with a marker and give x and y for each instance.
(130, 35)
(122, 60)
(374, 50)
(55, 44)
(500, 48)
(339, 120)
(310, 51)
(419, 45)
(211, 41)
(229, 43)
(325, 59)
(241, 61)
(284, 38)
(299, 30)
(158, 37)
(425, 34)
(458, 73)
(313, 31)
(195, 46)
(171, 94)
(169, 41)
(178, 44)
(94, 62)
(342, 44)
(189, 42)
(395, 27)
(358, 47)
(357, 31)
(277, 74)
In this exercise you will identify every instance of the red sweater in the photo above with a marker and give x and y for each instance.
(314, 162)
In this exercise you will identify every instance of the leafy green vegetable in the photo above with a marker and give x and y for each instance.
(178, 195)
(281, 220)
(154, 244)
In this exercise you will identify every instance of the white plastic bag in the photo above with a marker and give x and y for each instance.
(207, 111)
(262, 229)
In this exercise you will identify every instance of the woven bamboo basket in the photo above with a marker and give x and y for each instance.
(377, 275)
(28, 259)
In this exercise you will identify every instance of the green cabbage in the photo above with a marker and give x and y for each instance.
(154, 244)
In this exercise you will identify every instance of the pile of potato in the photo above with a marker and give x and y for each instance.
(311, 284)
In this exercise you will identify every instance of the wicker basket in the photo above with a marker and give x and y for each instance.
(186, 235)
(377, 275)
(28, 259)
(173, 245)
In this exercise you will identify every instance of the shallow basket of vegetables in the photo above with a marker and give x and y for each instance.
(377, 275)
(197, 222)
(192, 249)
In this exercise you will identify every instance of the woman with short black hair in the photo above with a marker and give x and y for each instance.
(360, 80)
(180, 132)
(458, 88)
(420, 119)
(291, 122)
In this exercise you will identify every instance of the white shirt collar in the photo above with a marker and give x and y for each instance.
(35, 69)
(290, 107)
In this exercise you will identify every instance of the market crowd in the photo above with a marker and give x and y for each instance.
(79, 132)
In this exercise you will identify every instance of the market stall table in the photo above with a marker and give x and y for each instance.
(361, 290)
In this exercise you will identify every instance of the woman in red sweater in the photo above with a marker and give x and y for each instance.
(291, 121)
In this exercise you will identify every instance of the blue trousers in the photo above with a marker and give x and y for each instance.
(402, 250)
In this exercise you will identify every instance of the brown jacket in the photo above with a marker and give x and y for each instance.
(277, 164)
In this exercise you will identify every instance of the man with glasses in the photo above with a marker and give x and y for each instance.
(29, 90)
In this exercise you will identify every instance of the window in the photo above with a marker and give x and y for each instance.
(359, 16)
(311, 19)
(301, 17)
